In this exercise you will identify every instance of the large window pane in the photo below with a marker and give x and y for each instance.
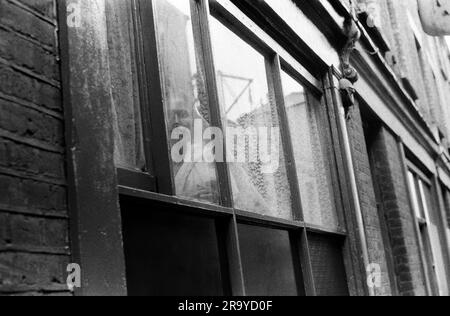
(328, 266)
(170, 254)
(312, 157)
(186, 102)
(257, 168)
(129, 146)
(267, 261)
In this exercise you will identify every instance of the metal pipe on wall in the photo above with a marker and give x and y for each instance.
(354, 188)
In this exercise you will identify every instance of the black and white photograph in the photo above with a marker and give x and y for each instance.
(224, 154)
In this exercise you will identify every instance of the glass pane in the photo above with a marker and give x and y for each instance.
(267, 261)
(312, 156)
(447, 203)
(328, 266)
(415, 196)
(446, 194)
(186, 102)
(170, 254)
(129, 145)
(255, 154)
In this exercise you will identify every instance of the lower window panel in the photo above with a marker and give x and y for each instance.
(270, 269)
(328, 265)
(170, 254)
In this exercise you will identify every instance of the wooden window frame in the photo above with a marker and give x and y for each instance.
(425, 245)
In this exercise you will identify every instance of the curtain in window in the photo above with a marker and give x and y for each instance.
(128, 151)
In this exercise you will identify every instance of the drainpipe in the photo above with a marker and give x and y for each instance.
(350, 76)
(355, 194)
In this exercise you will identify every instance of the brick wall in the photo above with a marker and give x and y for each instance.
(394, 199)
(33, 212)
(424, 69)
(368, 203)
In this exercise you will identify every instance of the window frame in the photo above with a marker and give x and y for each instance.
(425, 243)
(160, 186)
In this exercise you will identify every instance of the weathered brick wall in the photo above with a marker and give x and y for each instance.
(389, 174)
(367, 199)
(404, 47)
(424, 70)
(33, 208)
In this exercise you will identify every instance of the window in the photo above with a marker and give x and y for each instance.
(311, 154)
(259, 180)
(244, 224)
(185, 100)
(328, 266)
(128, 126)
(427, 219)
(268, 262)
(170, 253)
(431, 210)
(446, 195)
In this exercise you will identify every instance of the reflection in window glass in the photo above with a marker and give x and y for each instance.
(258, 173)
(311, 156)
(416, 199)
(129, 146)
(414, 195)
(185, 98)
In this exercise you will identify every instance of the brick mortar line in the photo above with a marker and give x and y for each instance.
(31, 292)
(51, 49)
(38, 213)
(31, 142)
(27, 176)
(31, 105)
(12, 290)
(30, 73)
(54, 251)
(34, 12)
(20, 288)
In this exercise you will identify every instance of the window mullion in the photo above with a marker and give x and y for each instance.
(202, 38)
(153, 86)
(143, 86)
(307, 268)
(230, 230)
(276, 88)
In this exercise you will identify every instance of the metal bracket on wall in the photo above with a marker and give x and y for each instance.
(350, 75)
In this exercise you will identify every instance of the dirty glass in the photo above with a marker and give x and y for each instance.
(169, 253)
(312, 156)
(186, 103)
(254, 151)
(127, 124)
(268, 262)
(328, 266)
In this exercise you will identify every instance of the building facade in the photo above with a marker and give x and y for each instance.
(114, 116)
